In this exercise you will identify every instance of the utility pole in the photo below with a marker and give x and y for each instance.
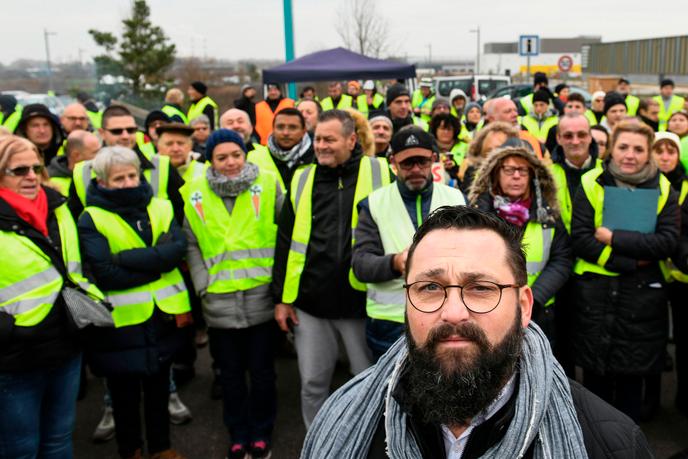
(477, 52)
(46, 36)
(289, 42)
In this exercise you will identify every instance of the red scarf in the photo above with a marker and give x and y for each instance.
(32, 211)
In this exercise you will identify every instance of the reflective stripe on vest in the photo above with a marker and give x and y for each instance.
(595, 194)
(135, 305)
(537, 242)
(670, 271)
(196, 109)
(171, 111)
(346, 101)
(261, 157)
(30, 284)
(372, 174)
(238, 249)
(387, 300)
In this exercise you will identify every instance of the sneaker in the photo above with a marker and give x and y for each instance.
(179, 413)
(260, 450)
(106, 427)
(237, 451)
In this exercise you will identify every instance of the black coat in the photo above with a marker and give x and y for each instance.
(138, 348)
(324, 290)
(51, 342)
(621, 322)
(247, 105)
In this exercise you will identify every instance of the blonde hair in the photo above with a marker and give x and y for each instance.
(174, 96)
(11, 145)
(363, 131)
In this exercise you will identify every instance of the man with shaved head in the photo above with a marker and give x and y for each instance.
(74, 117)
(80, 146)
(239, 121)
(505, 110)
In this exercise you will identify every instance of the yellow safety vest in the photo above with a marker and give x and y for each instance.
(193, 170)
(146, 147)
(595, 194)
(539, 129)
(135, 305)
(425, 105)
(632, 104)
(196, 109)
(670, 271)
(171, 110)
(261, 157)
(563, 195)
(527, 103)
(238, 249)
(62, 184)
(96, 118)
(158, 177)
(590, 116)
(12, 121)
(387, 300)
(29, 282)
(346, 101)
(372, 174)
(676, 105)
(537, 243)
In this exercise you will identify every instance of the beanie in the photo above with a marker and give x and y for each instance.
(540, 77)
(156, 115)
(395, 91)
(613, 98)
(200, 87)
(223, 136)
(541, 96)
(671, 137)
(381, 117)
(440, 103)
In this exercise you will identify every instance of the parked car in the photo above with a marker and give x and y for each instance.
(476, 87)
(516, 91)
(54, 104)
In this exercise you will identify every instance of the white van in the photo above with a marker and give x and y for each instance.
(476, 87)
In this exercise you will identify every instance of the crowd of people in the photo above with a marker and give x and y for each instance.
(396, 223)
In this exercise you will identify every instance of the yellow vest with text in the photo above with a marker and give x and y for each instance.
(595, 194)
(261, 157)
(372, 174)
(238, 249)
(676, 105)
(135, 305)
(29, 282)
(346, 101)
(387, 300)
(670, 271)
(537, 243)
(196, 109)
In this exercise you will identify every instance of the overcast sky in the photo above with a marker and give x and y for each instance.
(233, 29)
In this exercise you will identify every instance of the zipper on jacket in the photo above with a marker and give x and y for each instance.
(340, 235)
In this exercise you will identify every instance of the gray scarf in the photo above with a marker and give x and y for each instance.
(345, 425)
(225, 186)
(624, 180)
(293, 155)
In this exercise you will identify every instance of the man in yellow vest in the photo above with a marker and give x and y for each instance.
(387, 220)
(668, 102)
(540, 119)
(174, 141)
(95, 115)
(525, 104)
(399, 108)
(422, 100)
(623, 87)
(374, 101)
(10, 112)
(648, 112)
(80, 146)
(382, 128)
(335, 98)
(201, 104)
(174, 98)
(314, 288)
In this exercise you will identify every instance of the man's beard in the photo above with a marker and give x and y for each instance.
(452, 386)
(421, 187)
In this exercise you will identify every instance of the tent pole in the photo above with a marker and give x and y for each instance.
(289, 42)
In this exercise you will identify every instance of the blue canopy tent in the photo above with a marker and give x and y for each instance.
(337, 64)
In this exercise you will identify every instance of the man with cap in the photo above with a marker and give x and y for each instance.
(80, 146)
(525, 104)
(399, 108)
(374, 101)
(623, 87)
(41, 128)
(246, 102)
(381, 126)
(266, 109)
(668, 102)
(387, 220)
(540, 119)
(335, 98)
(201, 104)
(422, 99)
(174, 98)
(10, 112)
(315, 291)
(614, 110)
(174, 141)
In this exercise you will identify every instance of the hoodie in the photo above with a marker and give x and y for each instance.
(40, 110)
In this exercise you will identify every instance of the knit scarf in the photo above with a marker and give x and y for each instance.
(515, 212)
(624, 180)
(292, 155)
(32, 211)
(226, 187)
(544, 411)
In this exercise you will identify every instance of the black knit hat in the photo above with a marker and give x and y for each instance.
(200, 87)
(539, 78)
(541, 96)
(395, 91)
(156, 115)
(613, 98)
(666, 82)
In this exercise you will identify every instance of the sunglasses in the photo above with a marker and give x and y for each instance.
(119, 131)
(23, 171)
(422, 161)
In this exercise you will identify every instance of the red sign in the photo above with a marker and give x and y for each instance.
(565, 63)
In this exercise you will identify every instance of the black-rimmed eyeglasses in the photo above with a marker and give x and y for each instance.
(479, 297)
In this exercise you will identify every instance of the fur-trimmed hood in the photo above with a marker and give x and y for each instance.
(543, 186)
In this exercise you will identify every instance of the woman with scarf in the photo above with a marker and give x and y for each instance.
(40, 361)
(515, 185)
(230, 224)
(620, 332)
(133, 246)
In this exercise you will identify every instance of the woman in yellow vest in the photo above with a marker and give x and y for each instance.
(666, 151)
(515, 185)
(230, 224)
(133, 246)
(40, 361)
(446, 129)
(678, 124)
(620, 328)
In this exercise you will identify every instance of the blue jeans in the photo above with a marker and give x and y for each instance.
(37, 411)
(381, 334)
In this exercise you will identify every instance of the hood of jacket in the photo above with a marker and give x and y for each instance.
(58, 167)
(547, 209)
(457, 92)
(58, 135)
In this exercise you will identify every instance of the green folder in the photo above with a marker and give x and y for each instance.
(630, 209)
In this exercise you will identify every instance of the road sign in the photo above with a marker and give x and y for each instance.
(529, 45)
(565, 63)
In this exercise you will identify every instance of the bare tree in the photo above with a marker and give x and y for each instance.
(362, 28)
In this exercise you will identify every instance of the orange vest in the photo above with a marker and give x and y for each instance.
(533, 141)
(264, 117)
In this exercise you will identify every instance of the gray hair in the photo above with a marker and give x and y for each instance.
(114, 156)
(200, 119)
(347, 121)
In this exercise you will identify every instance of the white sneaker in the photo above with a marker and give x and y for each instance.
(106, 427)
(179, 413)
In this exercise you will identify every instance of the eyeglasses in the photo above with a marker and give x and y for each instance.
(77, 118)
(119, 131)
(582, 135)
(422, 161)
(479, 297)
(23, 171)
(511, 170)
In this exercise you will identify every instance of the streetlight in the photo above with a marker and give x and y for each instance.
(477, 54)
(46, 36)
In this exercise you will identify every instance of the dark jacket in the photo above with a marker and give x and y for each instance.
(139, 348)
(58, 167)
(324, 290)
(51, 342)
(607, 433)
(621, 322)
(247, 105)
(680, 255)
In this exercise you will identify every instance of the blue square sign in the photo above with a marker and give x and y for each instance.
(529, 45)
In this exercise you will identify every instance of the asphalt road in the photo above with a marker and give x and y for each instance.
(206, 438)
